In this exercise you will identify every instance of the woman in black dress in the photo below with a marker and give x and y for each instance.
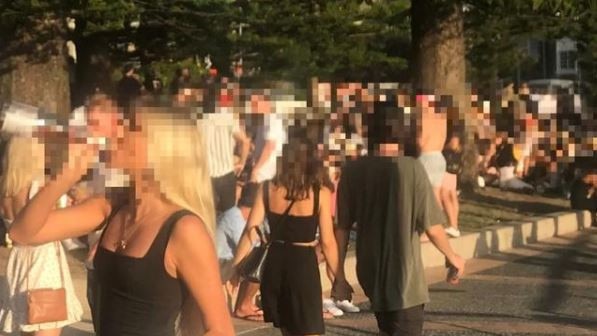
(291, 286)
(156, 259)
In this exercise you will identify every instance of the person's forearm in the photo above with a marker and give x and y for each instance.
(34, 215)
(244, 151)
(342, 244)
(330, 251)
(439, 239)
(243, 249)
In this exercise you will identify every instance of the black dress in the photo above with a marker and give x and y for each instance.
(137, 297)
(290, 286)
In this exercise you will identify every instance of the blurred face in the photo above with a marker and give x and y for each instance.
(188, 96)
(260, 105)
(501, 138)
(426, 103)
(129, 152)
(454, 142)
(103, 119)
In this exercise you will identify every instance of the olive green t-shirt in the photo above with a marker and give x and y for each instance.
(392, 203)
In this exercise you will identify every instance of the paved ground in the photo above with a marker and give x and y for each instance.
(548, 288)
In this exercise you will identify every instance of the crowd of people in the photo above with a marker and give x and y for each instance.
(175, 193)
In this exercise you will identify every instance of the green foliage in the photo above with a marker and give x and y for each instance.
(497, 28)
(330, 39)
(287, 39)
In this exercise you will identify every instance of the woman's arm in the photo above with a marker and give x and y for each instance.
(39, 223)
(255, 219)
(326, 229)
(194, 256)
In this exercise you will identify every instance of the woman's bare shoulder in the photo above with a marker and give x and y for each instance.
(189, 229)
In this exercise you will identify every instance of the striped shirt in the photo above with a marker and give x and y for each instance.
(218, 131)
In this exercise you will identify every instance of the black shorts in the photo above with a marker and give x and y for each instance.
(404, 322)
(224, 191)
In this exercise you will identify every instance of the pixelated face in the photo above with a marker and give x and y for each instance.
(130, 151)
(188, 96)
(427, 103)
(454, 142)
(260, 104)
(103, 120)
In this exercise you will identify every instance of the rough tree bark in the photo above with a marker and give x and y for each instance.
(34, 66)
(439, 66)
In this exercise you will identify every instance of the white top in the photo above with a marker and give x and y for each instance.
(218, 130)
(274, 131)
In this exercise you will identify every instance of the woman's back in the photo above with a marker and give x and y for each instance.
(290, 287)
(301, 224)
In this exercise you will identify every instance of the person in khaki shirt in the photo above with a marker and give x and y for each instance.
(391, 201)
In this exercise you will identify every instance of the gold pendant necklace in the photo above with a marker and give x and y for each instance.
(123, 242)
(121, 245)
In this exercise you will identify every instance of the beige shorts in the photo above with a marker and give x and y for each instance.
(435, 166)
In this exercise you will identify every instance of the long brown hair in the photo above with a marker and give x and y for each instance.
(300, 168)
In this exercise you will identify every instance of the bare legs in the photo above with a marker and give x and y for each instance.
(245, 305)
(451, 206)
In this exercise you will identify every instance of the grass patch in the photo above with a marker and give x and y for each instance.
(494, 206)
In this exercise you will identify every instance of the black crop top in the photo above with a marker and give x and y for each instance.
(453, 161)
(137, 297)
(295, 229)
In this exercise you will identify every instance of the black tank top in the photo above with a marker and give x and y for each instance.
(137, 297)
(295, 229)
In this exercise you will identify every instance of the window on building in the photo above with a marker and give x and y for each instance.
(567, 60)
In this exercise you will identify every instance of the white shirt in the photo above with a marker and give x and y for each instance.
(218, 130)
(274, 131)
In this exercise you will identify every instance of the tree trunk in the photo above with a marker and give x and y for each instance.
(36, 68)
(438, 47)
(438, 66)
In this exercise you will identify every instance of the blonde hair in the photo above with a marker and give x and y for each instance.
(178, 160)
(23, 162)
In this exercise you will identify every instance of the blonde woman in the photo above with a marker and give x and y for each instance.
(156, 254)
(41, 265)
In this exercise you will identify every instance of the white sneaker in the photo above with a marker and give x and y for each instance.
(347, 306)
(330, 307)
(72, 244)
(453, 232)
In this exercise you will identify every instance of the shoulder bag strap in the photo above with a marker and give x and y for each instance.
(265, 191)
(284, 216)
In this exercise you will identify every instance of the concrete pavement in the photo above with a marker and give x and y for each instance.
(543, 288)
